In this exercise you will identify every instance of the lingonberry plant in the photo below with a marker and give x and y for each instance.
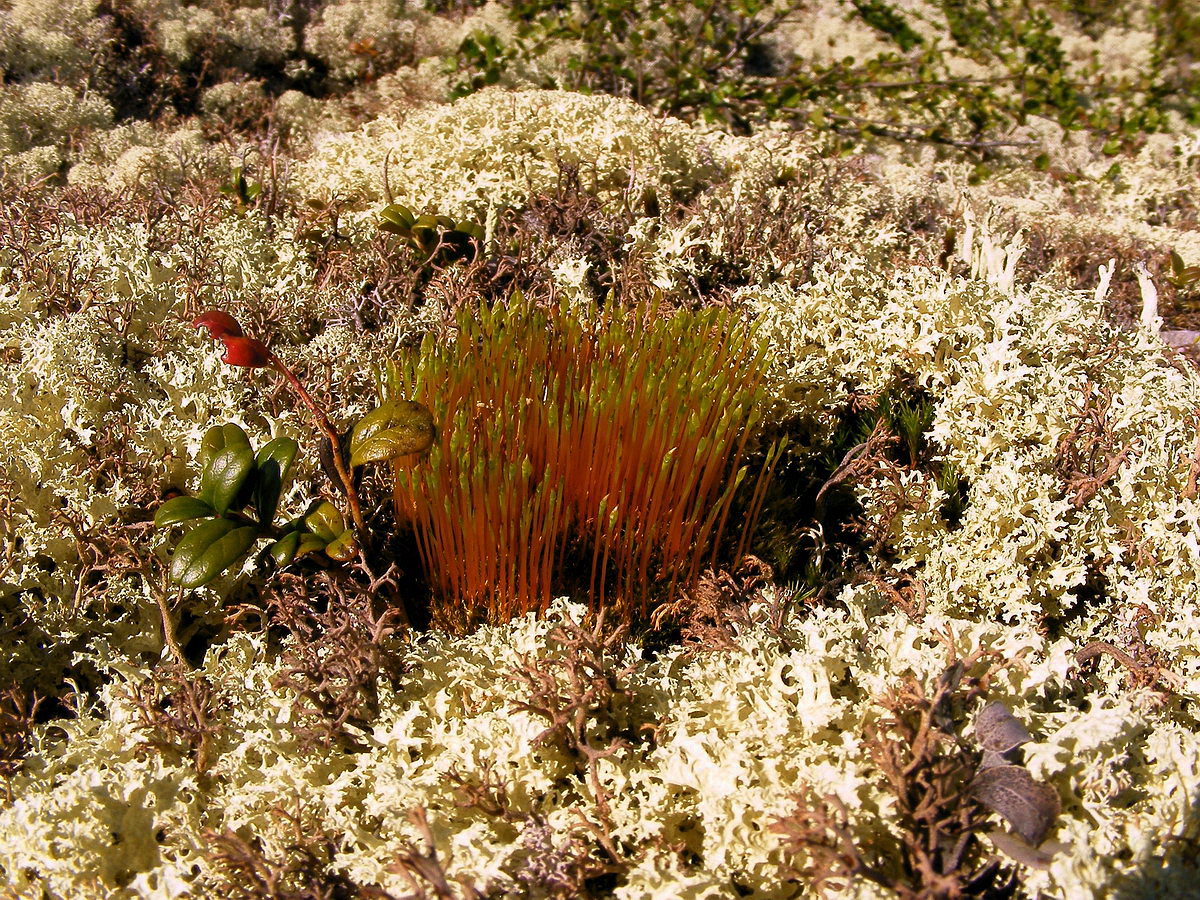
(234, 478)
(608, 464)
(432, 238)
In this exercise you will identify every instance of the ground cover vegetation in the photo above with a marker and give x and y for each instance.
(599, 449)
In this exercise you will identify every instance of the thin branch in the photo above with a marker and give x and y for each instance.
(168, 624)
(335, 442)
(1189, 492)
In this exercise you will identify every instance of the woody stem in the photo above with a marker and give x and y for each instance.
(327, 429)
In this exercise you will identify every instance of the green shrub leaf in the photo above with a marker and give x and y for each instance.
(397, 428)
(283, 551)
(272, 464)
(326, 522)
(209, 549)
(225, 475)
(310, 543)
(218, 438)
(342, 548)
(181, 509)
(294, 545)
(397, 219)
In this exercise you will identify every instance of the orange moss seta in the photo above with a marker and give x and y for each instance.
(592, 454)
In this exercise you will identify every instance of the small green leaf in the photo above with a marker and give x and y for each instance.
(342, 548)
(390, 444)
(181, 509)
(219, 437)
(373, 422)
(1177, 264)
(272, 463)
(310, 543)
(294, 545)
(397, 428)
(283, 551)
(326, 522)
(396, 219)
(225, 476)
(208, 550)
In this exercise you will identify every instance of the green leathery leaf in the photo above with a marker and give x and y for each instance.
(272, 463)
(342, 548)
(374, 421)
(396, 219)
(326, 522)
(283, 551)
(208, 550)
(390, 444)
(294, 545)
(310, 543)
(397, 428)
(181, 509)
(219, 437)
(225, 475)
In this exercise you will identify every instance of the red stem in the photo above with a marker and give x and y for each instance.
(326, 427)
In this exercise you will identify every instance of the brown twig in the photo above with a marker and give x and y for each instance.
(1189, 492)
(1087, 457)
(582, 708)
(1086, 487)
(168, 623)
(925, 767)
(1148, 673)
(424, 862)
(859, 460)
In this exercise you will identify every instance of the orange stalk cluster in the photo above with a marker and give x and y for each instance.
(609, 447)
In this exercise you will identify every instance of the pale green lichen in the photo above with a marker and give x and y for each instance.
(735, 733)
(357, 38)
(111, 392)
(37, 120)
(244, 36)
(40, 39)
(1008, 376)
(496, 149)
